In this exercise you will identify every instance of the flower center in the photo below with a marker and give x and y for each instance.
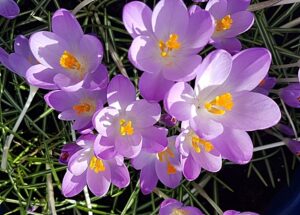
(126, 127)
(84, 107)
(97, 165)
(198, 142)
(169, 46)
(165, 156)
(224, 24)
(220, 104)
(69, 61)
(179, 212)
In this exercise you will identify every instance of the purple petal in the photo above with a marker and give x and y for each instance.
(104, 147)
(137, 18)
(79, 161)
(191, 169)
(234, 6)
(291, 94)
(66, 26)
(143, 114)
(4, 59)
(249, 67)
(153, 86)
(103, 121)
(294, 147)
(217, 8)
(208, 161)
(251, 111)
(73, 185)
(209, 71)
(129, 146)
(234, 145)
(192, 210)
(148, 178)
(41, 76)
(120, 92)
(168, 206)
(19, 64)
(164, 14)
(67, 151)
(154, 139)
(99, 182)
(61, 100)
(232, 45)
(179, 101)
(143, 159)
(98, 79)
(9, 9)
(119, 175)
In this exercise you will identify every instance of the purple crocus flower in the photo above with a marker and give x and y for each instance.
(84, 168)
(166, 43)
(126, 124)
(231, 19)
(163, 165)
(222, 96)
(79, 106)
(68, 58)
(168, 120)
(67, 151)
(285, 129)
(234, 145)
(291, 95)
(233, 212)
(9, 9)
(21, 60)
(174, 207)
(294, 147)
(266, 85)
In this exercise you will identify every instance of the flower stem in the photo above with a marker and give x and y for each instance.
(160, 193)
(285, 66)
(288, 80)
(32, 92)
(81, 5)
(270, 3)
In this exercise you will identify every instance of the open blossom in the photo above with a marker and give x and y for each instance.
(291, 95)
(222, 96)
(84, 168)
(67, 151)
(126, 124)
(174, 207)
(20, 60)
(9, 9)
(164, 166)
(233, 212)
(166, 43)
(68, 59)
(231, 19)
(79, 105)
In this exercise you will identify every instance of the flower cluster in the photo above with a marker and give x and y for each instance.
(216, 100)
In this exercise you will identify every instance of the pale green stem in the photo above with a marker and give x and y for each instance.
(81, 5)
(160, 193)
(288, 80)
(270, 3)
(285, 66)
(272, 145)
(292, 23)
(50, 191)
(32, 92)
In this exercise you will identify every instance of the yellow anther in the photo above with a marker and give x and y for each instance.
(170, 45)
(170, 168)
(97, 165)
(126, 127)
(179, 212)
(69, 61)
(220, 104)
(224, 24)
(165, 156)
(83, 108)
(197, 142)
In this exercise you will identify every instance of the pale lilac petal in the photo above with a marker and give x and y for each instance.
(79, 161)
(217, 8)
(205, 127)
(234, 145)
(103, 121)
(83, 123)
(148, 178)
(104, 147)
(180, 70)
(214, 69)
(180, 100)
(200, 28)
(232, 45)
(164, 14)
(249, 67)
(137, 18)
(154, 139)
(144, 54)
(143, 159)
(291, 94)
(143, 114)
(73, 185)
(251, 111)
(153, 86)
(98, 79)
(66, 26)
(99, 182)
(47, 48)
(129, 146)
(120, 92)
(41, 76)
(119, 175)
(192, 210)
(9, 9)
(61, 100)
(191, 169)
(167, 206)
(208, 161)
(170, 180)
